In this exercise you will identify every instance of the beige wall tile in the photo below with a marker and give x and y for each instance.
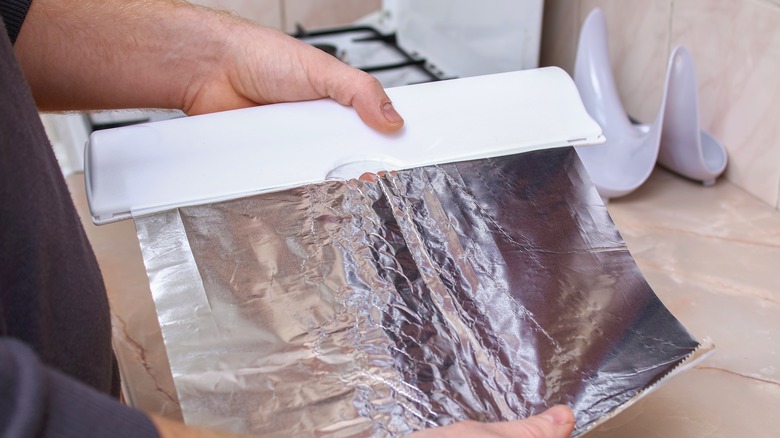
(736, 47)
(265, 12)
(319, 14)
(560, 30)
(639, 50)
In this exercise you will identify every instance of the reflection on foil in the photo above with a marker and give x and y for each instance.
(485, 290)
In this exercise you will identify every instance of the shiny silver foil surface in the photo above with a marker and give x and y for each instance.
(484, 290)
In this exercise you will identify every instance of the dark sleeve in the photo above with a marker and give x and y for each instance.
(38, 401)
(13, 12)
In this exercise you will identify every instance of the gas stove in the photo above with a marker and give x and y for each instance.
(411, 41)
(379, 54)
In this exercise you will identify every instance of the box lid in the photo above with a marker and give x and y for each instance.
(157, 166)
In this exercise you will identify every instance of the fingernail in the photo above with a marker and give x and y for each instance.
(559, 415)
(391, 115)
(368, 177)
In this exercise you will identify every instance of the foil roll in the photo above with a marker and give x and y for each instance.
(486, 290)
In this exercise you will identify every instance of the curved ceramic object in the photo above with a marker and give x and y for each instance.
(626, 159)
(685, 148)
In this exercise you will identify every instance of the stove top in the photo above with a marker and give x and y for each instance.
(367, 49)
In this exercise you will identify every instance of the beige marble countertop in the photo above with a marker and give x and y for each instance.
(711, 254)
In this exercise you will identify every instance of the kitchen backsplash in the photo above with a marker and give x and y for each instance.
(736, 48)
(284, 14)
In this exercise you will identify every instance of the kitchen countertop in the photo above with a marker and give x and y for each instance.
(711, 254)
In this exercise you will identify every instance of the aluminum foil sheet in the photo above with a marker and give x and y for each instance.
(484, 290)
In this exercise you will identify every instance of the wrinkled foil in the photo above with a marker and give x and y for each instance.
(484, 290)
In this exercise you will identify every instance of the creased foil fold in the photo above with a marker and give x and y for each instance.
(484, 290)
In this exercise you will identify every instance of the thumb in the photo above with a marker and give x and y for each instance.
(364, 93)
(556, 422)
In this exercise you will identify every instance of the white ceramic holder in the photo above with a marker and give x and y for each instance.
(626, 159)
(685, 148)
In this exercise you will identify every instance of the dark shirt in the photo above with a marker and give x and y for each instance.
(56, 362)
(13, 13)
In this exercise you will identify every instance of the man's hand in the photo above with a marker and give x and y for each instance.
(556, 422)
(99, 54)
(266, 66)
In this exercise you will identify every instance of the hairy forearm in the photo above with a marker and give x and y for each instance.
(99, 54)
(94, 54)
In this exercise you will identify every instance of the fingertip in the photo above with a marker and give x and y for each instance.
(393, 119)
(379, 114)
(559, 415)
(560, 421)
(368, 177)
(374, 106)
(380, 117)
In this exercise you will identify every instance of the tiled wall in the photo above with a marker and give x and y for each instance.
(736, 48)
(284, 14)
